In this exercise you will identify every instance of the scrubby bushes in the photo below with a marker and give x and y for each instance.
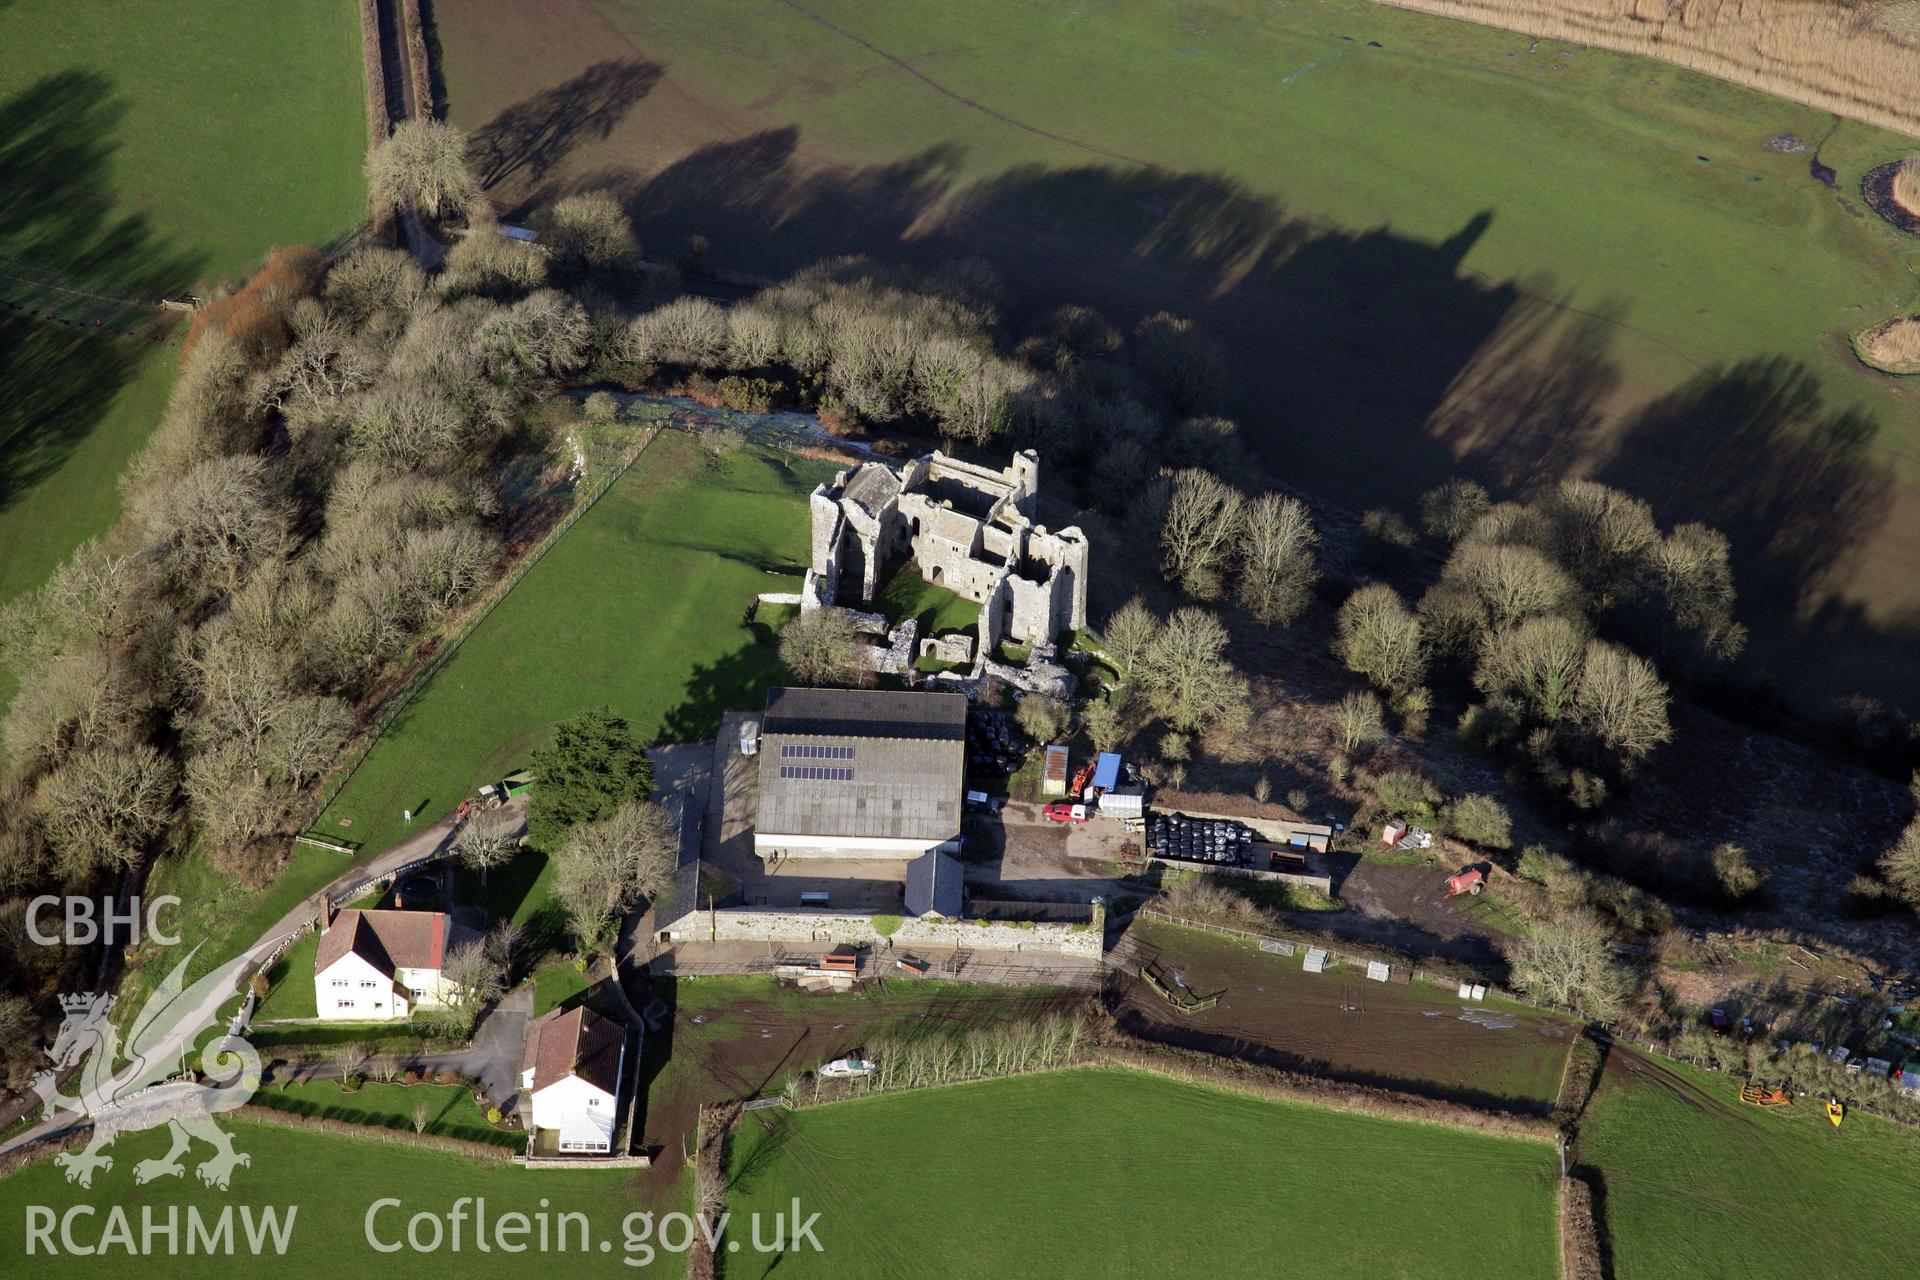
(316, 496)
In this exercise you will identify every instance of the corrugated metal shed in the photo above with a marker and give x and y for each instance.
(1054, 781)
(852, 762)
(1106, 771)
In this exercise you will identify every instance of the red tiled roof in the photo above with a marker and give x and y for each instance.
(578, 1042)
(387, 940)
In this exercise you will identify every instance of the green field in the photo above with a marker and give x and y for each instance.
(1698, 1185)
(332, 1181)
(1454, 249)
(153, 145)
(1115, 1174)
(638, 607)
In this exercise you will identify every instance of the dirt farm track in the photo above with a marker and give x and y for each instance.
(1394, 345)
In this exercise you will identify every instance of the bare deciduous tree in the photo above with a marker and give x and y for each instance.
(490, 838)
(1622, 701)
(818, 648)
(211, 525)
(81, 702)
(1277, 570)
(1106, 720)
(1361, 720)
(1042, 717)
(1570, 962)
(1181, 361)
(604, 867)
(1538, 663)
(1450, 511)
(375, 279)
(1128, 634)
(588, 230)
(1378, 638)
(1601, 537)
(424, 162)
(485, 264)
(543, 334)
(102, 808)
(1691, 572)
(1185, 674)
(1510, 582)
(1203, 526)
(687, 331)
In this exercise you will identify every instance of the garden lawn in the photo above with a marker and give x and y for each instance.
(451, 1111)
(639, 607)
(557, 983)
(329, 1181)
(291, 995)
(1703, 1186)
(1114, 1174)
(937, 610)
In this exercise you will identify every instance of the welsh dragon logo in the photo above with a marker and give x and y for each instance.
(153, 1088)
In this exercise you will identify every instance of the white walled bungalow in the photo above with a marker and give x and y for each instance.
(571, 1076)
(381, 965)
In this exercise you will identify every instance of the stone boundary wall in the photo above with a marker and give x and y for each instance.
(831, 929)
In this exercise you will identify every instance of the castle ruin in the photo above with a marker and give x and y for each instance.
(969, 528)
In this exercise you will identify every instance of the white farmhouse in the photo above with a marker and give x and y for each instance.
(571, 1075)
(380, 965)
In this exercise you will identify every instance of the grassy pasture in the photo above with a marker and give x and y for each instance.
(1696, 1184)
(1115, 1174)
(174, 143)
(333, 1180)
(1453, 249)
(638, 607)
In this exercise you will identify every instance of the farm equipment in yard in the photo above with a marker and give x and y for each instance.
(1081, 780)
(1758, 1095)
(1471, 881)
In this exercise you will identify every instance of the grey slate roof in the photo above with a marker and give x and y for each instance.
(873, 713)
(873, 486)
(934, 885)
(904, 752)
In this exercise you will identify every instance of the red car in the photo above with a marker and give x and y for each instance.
(1065, 813)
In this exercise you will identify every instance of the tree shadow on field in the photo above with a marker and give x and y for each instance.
(1334, 337)
(1754, 451)
(1366, 365)
(524, 142)
(736, 681)
(67, 261)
